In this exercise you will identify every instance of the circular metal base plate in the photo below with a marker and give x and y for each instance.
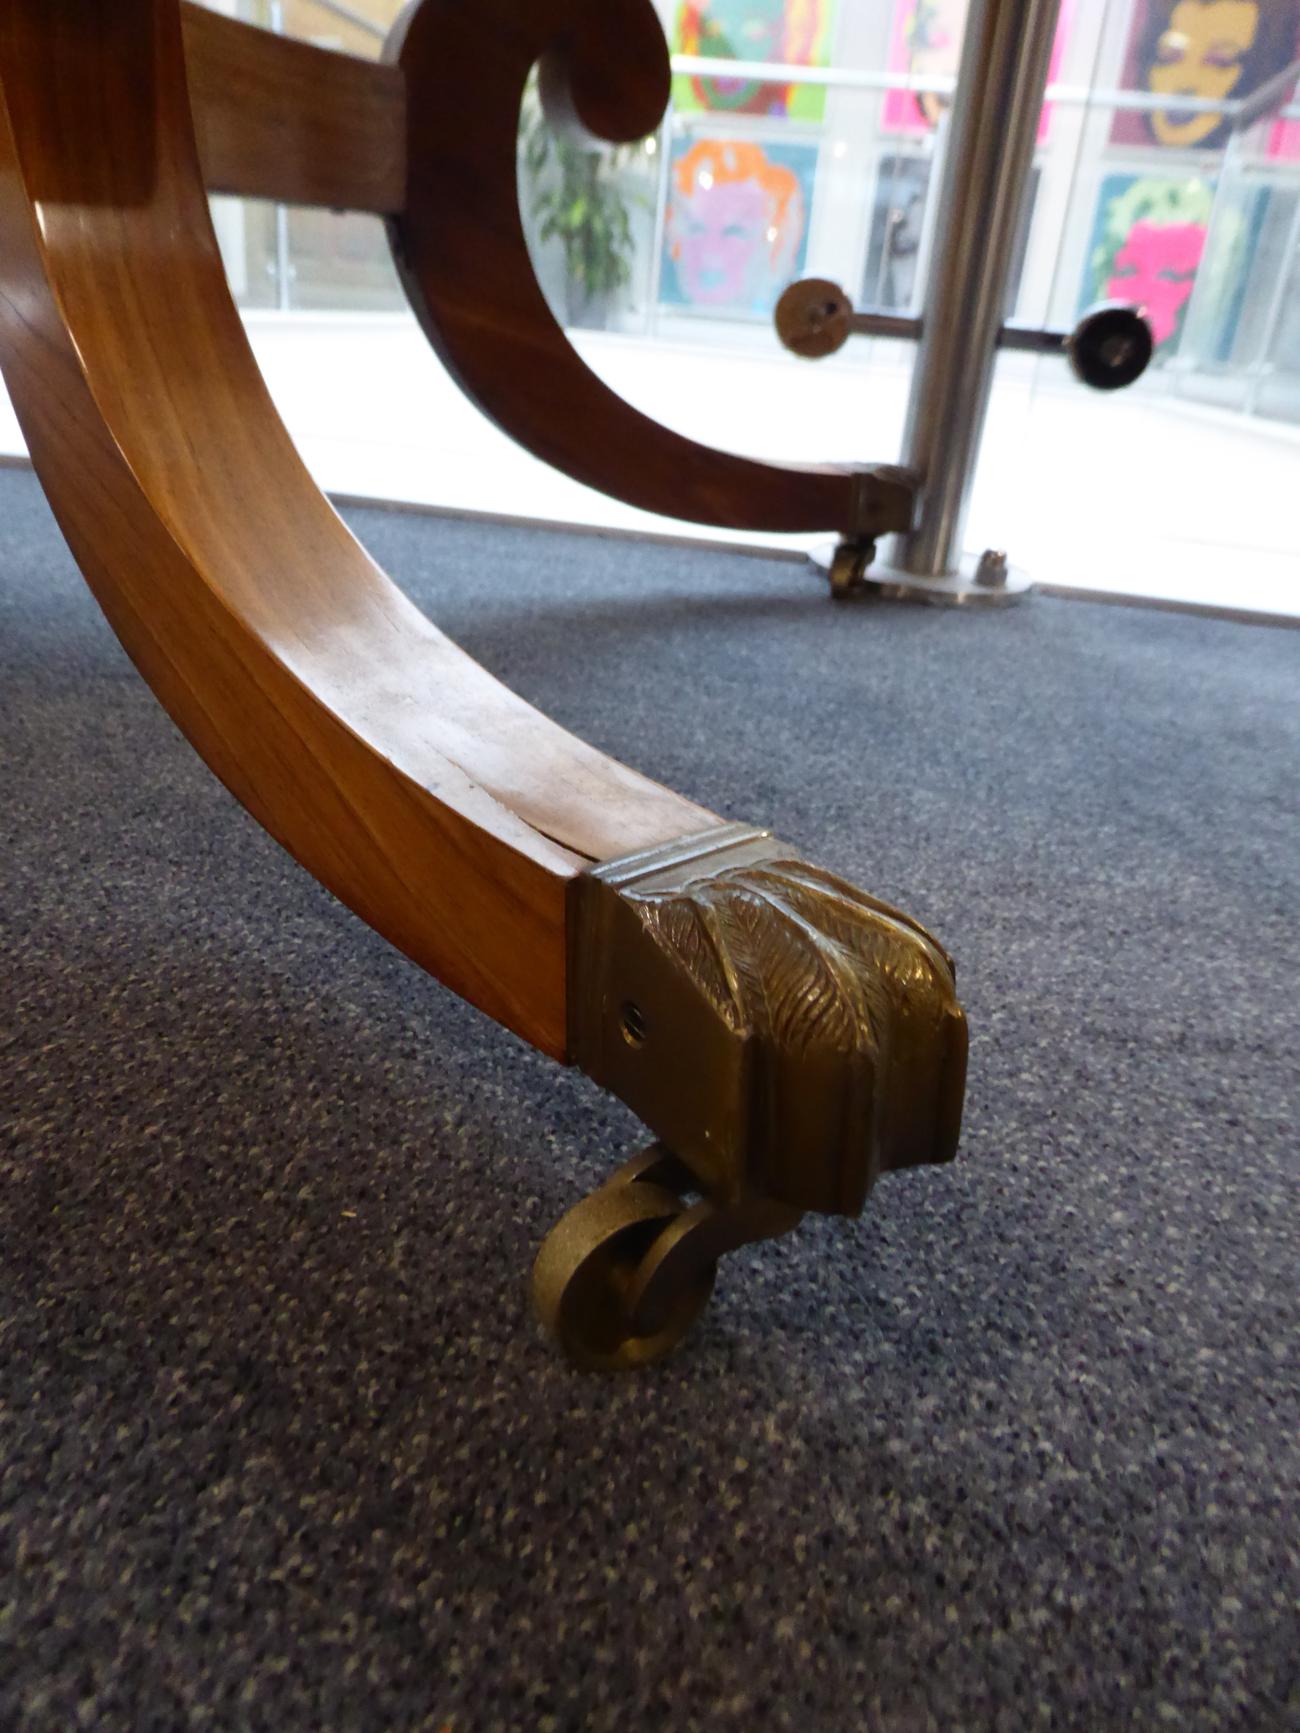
(960, 589)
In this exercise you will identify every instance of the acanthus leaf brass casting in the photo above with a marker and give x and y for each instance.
(787, 1036)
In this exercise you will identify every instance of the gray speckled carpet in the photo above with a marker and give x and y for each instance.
(280, 1447)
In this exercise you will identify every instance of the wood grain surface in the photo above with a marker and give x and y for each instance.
(430, 142)
(461, 251)
(438, 805)
(279, 119)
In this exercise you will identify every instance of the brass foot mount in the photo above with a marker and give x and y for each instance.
(979, 581)
(622, 1277)
(786, 1037)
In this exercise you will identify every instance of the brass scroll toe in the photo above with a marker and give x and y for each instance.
(785, 1034)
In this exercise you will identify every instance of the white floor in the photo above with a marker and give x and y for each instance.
(1138, 495)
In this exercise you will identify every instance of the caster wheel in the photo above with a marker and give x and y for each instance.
(585, 1271)
(849, 567)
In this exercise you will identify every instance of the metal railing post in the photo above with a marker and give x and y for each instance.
(281, 267)
(991, 136)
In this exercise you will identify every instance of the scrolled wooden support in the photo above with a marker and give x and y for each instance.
(429, 143)
(461, 251)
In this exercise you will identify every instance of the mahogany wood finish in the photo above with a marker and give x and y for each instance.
(444, 810)
(430, 143)
(279, 119)
(460, 247)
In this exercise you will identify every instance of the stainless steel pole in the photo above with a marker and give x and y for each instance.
(992, 130)
(281, 265)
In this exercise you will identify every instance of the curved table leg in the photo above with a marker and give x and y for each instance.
(444, 810)
(791, 1037)
(461, 252)
(428, 140)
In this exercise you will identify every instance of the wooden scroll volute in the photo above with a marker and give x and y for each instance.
(463, 257)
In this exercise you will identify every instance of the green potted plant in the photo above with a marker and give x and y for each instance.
(578, 195)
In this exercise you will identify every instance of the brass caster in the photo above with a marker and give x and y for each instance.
(848, 570)
(622, 1277)
(585, 1278)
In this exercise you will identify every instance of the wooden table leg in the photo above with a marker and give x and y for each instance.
(791, 1036)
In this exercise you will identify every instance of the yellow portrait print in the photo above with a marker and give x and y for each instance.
(1191, 51)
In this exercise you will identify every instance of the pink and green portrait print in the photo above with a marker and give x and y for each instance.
(926, 42)
(1147, 246)
(736, 229)
(787, 32)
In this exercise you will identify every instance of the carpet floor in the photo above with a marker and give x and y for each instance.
(280, 1447)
